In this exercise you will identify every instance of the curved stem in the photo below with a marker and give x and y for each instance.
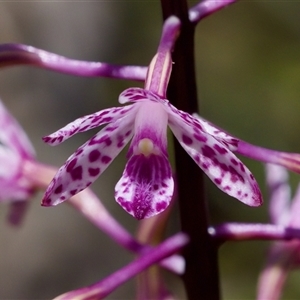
(90, 206)
(247, 232)
(18, 54)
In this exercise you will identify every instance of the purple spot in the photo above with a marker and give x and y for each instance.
(105, 159)
(197, 158)
(227, 188)
(105, 139)
(76, 173)
(155, 187)
(62, 197)
(224, 167)
(120, 143)
(187, 140)
(208, 151)
(84, 128)
(197, 125)
(164, 185)
(124, 111)
(107, 119)
(71, 165)
(234, 161)
(47, 201)
(235, 176)
(218, 181)
(79, 151)
(58, 190)
(205, 166)
(94, 155)
(96, 119)
(242, 167)
(126, 190)
(112, 128)
(161, 206)
(221, 150)
(125, 204)
(251, 176)
(94, 171)
(200, 138)
(73, 192)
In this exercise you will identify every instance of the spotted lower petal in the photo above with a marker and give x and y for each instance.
(88, 162)
(218, 162)
(146, 186)
(88, 122)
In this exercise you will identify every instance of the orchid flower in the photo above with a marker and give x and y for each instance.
(21, 175)
(146, 186)
(15, 151)
(283, 255)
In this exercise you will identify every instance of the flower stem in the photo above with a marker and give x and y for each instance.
(201, 278)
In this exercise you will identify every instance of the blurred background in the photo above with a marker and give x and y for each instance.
(248, 73)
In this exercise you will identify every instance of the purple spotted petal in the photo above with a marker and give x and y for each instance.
(88, 122)
(138, 94)
(217, 161)
(88, 162)
(217, 133)
(146, 186)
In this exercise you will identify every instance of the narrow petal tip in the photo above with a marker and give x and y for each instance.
(52, 140)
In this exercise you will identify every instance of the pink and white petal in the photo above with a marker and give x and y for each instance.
(13, 136)
(138, 94)
(109, 115)
(88, 162)
(219, 163)
(218, 133)
(200, 125)
(146, 186)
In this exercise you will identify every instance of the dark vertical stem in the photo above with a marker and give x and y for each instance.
(201, 278)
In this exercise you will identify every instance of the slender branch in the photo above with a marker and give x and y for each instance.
(18, 54)
(201, 277)
(90, 206)
(247, 232)
(101, 289)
